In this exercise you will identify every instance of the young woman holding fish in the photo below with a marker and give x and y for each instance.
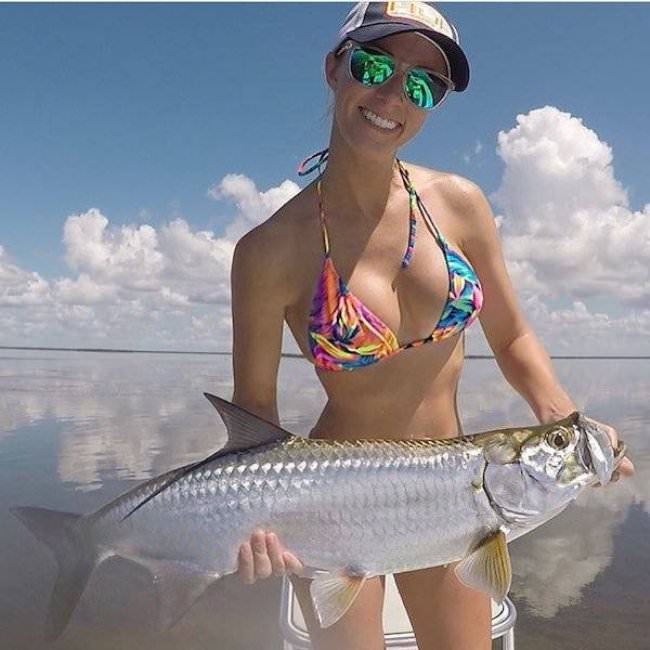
(420, 255)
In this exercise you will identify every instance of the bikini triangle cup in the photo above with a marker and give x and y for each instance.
(344, 334)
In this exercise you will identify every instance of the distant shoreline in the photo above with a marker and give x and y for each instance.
(289, 355)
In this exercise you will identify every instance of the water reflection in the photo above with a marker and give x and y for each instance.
(82, 427)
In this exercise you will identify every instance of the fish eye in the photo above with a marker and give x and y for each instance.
(558, 438)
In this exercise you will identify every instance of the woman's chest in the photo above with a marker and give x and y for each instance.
(371, 285)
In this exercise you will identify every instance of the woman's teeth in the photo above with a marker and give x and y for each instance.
(373, 118)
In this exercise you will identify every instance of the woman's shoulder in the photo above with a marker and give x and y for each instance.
(449, 184)
(464, 201)
(459, 192)
(277, 245)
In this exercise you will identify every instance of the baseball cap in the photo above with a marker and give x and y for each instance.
(368, 21)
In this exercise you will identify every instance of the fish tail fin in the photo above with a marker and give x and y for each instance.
(66, 535)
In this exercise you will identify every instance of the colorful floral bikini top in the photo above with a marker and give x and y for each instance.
(344, 334)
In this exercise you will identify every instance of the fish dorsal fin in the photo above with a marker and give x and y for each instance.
(245, 429)
(333, 595)
(488, 567)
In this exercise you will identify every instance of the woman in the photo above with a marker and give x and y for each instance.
(379, 300)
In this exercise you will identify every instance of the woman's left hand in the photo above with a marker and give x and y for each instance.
(626, 468)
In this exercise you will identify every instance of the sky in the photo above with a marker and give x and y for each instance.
(138, 142)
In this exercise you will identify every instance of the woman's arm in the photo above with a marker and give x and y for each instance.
(259, 298)
(518, 351)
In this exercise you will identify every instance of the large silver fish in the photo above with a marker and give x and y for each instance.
(349, 510)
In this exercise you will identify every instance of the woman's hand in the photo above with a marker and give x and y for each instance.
(263, 556)
(626, 468)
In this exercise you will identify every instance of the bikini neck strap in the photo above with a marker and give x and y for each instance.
(322, 159)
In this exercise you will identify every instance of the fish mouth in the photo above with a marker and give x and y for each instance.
(598, 453)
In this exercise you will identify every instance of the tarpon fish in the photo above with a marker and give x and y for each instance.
(349, 510)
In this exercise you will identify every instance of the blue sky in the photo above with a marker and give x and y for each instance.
(136, 111)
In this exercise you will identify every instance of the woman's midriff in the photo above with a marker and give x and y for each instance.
(412, 395)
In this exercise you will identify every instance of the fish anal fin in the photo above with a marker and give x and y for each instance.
(488, 567)
(333, 594)
(179, 585)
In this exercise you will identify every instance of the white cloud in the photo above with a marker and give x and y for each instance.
(469, 156)
(83, 291)
(127, 255)
(577, 253)
(19, 287)
(566, 221)
(253, 206)
(133, 284)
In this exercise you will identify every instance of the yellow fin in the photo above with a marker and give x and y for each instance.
(332, 596)
(488, 567)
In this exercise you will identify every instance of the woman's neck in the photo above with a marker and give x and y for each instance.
(361, 185)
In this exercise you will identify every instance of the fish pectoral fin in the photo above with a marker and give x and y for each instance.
(179, 586)
(488, 568)
(333, 594)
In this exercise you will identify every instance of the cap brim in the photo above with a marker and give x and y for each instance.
(456, 56)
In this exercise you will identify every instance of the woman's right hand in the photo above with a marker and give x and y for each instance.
(263, 556)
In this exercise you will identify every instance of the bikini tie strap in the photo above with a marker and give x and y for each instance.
(323, 155)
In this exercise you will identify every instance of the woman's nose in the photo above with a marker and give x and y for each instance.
(393, 86)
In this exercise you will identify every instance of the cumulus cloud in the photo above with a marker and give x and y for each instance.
(19, 287)
(133, 284)
(127, 255)
(253, 206)
(578, 254)
(83, 291)
(566, 223)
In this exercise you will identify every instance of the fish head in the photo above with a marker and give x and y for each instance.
(535, 472)
(572, 453)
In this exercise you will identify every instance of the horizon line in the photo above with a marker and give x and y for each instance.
(291, 355)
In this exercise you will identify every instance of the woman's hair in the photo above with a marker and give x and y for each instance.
(329, 111)
(330, 107)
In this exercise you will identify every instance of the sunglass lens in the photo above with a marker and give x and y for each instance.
(370, 69)
(425, 90)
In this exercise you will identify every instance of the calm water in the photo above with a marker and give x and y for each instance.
(77, 429)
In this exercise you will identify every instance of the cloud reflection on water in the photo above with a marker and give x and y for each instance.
(130, 417)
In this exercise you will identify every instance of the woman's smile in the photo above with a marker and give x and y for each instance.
(380, 123)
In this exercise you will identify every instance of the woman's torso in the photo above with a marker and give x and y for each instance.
(411, 393)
